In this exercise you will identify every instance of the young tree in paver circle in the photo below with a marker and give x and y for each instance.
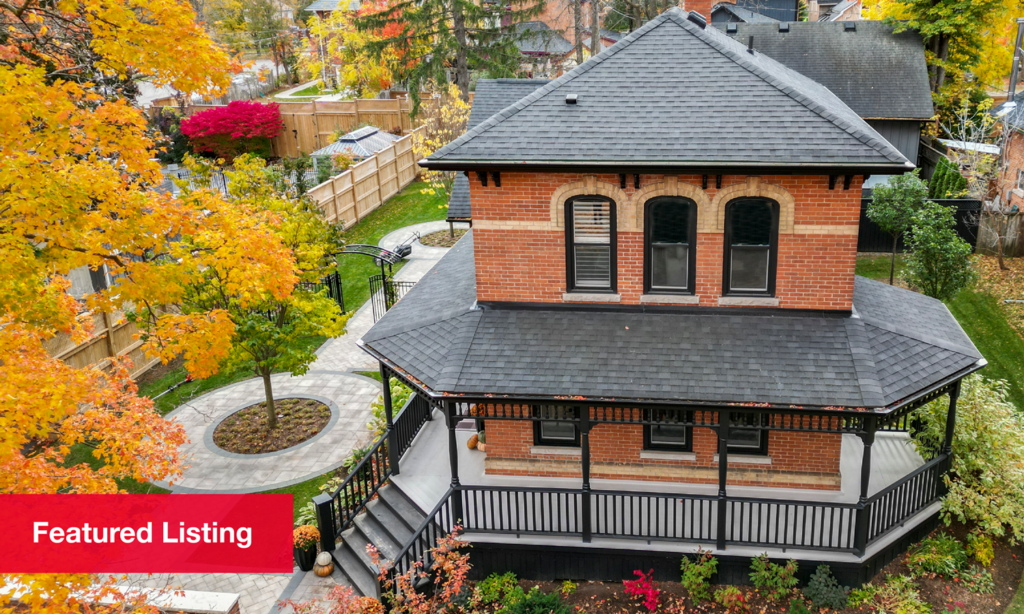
(939, 263)
(893, 205)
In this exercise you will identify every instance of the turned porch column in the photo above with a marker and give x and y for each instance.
(947, 444)
(392, 436)
(724, 417)
(452, 421)
(585, 468)
(860, 535)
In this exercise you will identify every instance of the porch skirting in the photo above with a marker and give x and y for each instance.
(739, 475)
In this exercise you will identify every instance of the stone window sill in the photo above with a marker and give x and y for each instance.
(556, 451)
(668, 455)
(748, 301)
(581, 297)
(670, 299)
(747, 459)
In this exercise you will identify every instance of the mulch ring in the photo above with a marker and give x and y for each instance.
(245, 431)
(442, 238)
(941, 594)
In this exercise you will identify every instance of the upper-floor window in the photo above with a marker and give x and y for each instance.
(670, 229)
(557, 426)
(590, 238)
(751, 244)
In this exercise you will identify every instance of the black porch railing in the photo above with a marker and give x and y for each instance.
(890, 507)
(385, 292)
(336, 511)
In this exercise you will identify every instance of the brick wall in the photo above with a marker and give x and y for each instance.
(520, 235)
(798, 460)
(1014, 163)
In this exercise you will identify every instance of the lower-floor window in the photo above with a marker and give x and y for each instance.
(670, 431)
(557, 426)
(748, 440)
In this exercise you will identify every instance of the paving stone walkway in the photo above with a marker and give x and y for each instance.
(257, 593)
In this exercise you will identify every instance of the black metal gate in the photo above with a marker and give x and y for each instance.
(333, 284)
(385, 292)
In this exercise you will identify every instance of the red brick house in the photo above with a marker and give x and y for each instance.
(656, 323)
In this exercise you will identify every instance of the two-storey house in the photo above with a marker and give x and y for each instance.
(656, 325)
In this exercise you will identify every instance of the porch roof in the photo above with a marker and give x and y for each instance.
(674, 94)
(895, 344)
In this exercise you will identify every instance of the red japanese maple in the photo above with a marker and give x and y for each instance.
(241, 127)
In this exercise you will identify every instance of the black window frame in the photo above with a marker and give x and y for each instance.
(539, 440)
(663, 447)
(570, 252)
(762, 449)
(773, 249)
(691, 273)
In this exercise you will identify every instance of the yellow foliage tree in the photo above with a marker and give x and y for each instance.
(443, 119)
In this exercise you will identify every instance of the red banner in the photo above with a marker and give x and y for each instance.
(146, 533)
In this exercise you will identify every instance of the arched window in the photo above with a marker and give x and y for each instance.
(590, 244)
(670, 233)
(751, 241)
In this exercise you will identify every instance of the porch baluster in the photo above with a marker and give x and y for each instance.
(453, 458)
(860, 537)
(724, 417)
(392, 434)
(585, 465)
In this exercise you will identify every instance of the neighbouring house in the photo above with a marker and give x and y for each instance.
(728, 12)
(1013, 116)
(359, 144)
(656, 326)
(491, 96)
(745, 10)
(323, 8)
(543, 50)
(847, 10)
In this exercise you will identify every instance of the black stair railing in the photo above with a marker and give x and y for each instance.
(385, 291)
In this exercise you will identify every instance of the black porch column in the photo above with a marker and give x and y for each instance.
(954, 394)
(388, 411)
(724, 417)
(860, 535)
(585, 467)
(453, 460)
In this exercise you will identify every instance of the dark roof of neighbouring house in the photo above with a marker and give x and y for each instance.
(361, 143)
(894, 344)
(536, 38)
(725, 12)
(333, 5)
(877, 73)
(836, 11)
(1014, 117)
(674, 95)
(490, 96)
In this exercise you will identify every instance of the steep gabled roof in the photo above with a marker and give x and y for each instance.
(673, 95)
(877, 73)
(727, 12)
(895, 344)
(491, 96)
(536, 38)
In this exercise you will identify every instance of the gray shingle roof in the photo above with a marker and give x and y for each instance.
(490, 96)
(361, 143)
(725, 12)
(878, 74)
(895, 343)
(536, 38)
(675, 95)
(1015, 116)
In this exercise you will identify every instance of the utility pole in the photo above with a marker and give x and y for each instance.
(577, 26)
(1017, 52)
(595, 29)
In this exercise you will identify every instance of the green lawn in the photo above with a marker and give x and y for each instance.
(312, 90)
(404, 209)
(303, 492)
(982, 318)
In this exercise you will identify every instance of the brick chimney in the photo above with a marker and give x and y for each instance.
(703, 6)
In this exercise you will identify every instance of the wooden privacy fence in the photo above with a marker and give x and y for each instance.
(308, 126)
(350, 196)
(113, 336)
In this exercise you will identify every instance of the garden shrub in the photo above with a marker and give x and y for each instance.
(977, 580)
(732, 599)
(987, 468)
(775, 581)
(824, 590)
(568, 588)
(174, 145)
(797, 606)
(242, 126)
(643, 589)
(400, 394)
(939, 263)
(494, 588)
(898, 595)
(697, 574)
(981, 548)
(942, 555)
(536, 602)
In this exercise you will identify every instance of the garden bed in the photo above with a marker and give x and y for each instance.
(442, 238)
(246, 432)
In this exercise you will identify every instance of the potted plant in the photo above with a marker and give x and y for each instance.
(304, 540)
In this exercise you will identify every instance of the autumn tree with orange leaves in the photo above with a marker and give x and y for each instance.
(76, 178)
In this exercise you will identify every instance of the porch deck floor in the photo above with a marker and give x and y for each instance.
(425, 477)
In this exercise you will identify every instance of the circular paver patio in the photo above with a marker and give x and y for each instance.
(212, 469)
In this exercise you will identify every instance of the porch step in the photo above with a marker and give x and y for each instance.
(388, 524)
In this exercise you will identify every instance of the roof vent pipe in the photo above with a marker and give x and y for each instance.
(750, 45)
(783, 27)
(731, 28)
(698, 19)
(570, 99)
(849, 26)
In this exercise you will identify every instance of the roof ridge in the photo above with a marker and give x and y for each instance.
(871, 391)
(923, 338)
(728, 50)
(455, 358)
(582, 69)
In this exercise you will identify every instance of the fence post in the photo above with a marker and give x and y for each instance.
(325, 521)
(390, 433)
(724, 417)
